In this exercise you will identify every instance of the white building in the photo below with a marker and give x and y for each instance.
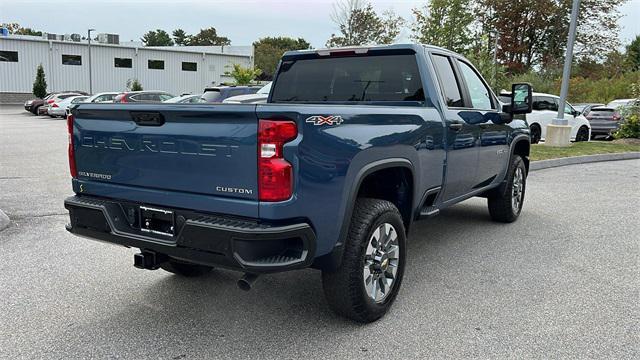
(176, 70)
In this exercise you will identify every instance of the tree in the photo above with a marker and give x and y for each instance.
(269, 50)
(444, 23)
(633, 54)
(134, 85)
(243, 75)
(208, 37)
(40, 84)
(15, 28)
(158, 37)
(536, 30)
(359, 24)
(180, 37)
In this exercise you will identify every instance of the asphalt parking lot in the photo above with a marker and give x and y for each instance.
(562, 282)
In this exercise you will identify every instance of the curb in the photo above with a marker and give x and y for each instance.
(551, 163)
(4, 220)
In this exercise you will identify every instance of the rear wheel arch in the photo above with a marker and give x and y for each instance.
(394, 184)
(370, 171)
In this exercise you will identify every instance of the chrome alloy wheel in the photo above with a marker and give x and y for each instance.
(517, 191)
(381, 262)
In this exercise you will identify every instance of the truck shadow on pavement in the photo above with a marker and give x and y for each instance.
(281, 308)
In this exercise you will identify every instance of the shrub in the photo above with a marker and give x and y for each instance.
(630, 128)
(134, 85)
(40, 84)
(244, 75)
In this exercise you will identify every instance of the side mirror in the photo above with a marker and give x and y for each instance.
(521, 98)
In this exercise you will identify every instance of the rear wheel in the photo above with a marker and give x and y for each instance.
(583, 134)
(536, 133)
(369, 277)
(185, 269)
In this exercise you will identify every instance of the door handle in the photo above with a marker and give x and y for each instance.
(147, 118)
(455, 126)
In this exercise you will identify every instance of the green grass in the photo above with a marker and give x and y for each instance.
(542, 152)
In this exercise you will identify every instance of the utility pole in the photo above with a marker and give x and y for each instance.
(89, 40)
(559, 132)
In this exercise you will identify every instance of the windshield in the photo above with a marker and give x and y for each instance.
(265, 89)
(349, 79)
(617, 103)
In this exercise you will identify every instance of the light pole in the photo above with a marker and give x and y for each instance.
(559, 131)
(495, 60)
(89, 39)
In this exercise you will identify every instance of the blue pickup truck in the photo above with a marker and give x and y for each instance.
(351, 147)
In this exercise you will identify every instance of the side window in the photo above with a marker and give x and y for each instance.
(164, 97)
(541, 103)
(537, 103)
(448, 82)
(480, 95)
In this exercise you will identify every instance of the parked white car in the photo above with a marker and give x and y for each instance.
(104, 97)
(257, 98)
(60, 108)
(545, 109)
(186, 99)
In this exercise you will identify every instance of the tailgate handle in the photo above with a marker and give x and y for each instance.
(147, 118)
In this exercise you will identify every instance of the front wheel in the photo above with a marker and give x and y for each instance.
(583, 134)
(536, 133)
(369, 277)
(505, 202)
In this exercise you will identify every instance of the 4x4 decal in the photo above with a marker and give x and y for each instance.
(321, 120)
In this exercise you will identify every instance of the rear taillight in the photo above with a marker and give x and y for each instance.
(616, 117)
(72, 156)
(275, 174)
(123, 99)
(50, 101)
(54, 105)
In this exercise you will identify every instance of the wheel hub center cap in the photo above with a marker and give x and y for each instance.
(381, 262)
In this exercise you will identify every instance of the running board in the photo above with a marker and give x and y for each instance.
(429, 211)
(428, 203)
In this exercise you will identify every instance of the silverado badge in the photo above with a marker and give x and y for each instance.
(321, 120)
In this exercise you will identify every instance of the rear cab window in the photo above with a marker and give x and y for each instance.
(372, 78)
(448, 82)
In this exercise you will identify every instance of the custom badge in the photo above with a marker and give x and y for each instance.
(322, 120)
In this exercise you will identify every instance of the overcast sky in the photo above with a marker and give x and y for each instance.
(243, 21)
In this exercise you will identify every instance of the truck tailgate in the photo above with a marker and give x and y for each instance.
(198, 149)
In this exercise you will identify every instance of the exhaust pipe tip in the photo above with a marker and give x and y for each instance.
(245, 283)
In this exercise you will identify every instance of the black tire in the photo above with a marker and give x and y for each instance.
(500, 200)
(582, 134)
(35, 110)
(536, 133)
(344, 288)
(185, 269)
